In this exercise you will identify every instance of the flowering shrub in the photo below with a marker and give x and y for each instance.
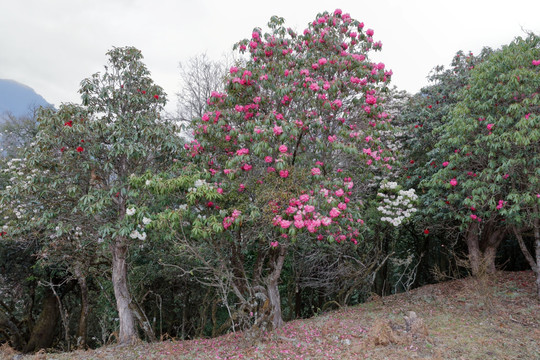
(396, 204)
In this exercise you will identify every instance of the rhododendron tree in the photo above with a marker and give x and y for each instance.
(77, 173)
(490, 146)
(289, 146)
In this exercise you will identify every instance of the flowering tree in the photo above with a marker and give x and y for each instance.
(489, 179)
(77, 173)
(288, 148)
(433, 235)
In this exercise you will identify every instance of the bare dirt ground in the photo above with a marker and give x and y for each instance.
(495, 317)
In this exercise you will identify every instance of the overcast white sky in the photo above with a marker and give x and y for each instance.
(52, 45)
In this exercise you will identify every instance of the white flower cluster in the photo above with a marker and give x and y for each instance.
(396, 207)
(139, 232)
(388, 185)
(135, 234)
(198, 183)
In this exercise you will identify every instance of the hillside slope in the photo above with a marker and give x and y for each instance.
(491, 318)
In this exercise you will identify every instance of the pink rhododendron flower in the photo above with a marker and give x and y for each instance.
(242, 151)
(227, 222)
(339, 192)
(536, 62)
(283, 149)
(369, 32)
(283, 173)
(337, 103)
(233, 70)
(314, 86)
(246, 167)
(334, 212)
(322, 61)
(326, 221)
(278, 130)
(219, 190)
(489, 126)
(268, 159)
(270, 169)
(291, 210)
(315, 171)
(284, 224)
(342, 206)
(445, 164)
(453, 182)
(274, 244)
(304, 198)
(309, 208)
(372, 100)
(299, 224)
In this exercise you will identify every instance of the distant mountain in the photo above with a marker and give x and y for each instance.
(18, 99)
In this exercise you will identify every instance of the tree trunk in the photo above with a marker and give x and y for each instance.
(42, 335)
(8, 327)
(474, 249)
(273, 290)
(128, 332)
(483, 248)
(534, 262)
(536, 225)
(83, 317)
(143, 321)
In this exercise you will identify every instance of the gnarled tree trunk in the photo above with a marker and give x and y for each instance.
(482, 246)
(83, 317)
(276, 264)
(42, 335)
(128, 332)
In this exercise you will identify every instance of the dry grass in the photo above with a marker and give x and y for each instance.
(490, 318)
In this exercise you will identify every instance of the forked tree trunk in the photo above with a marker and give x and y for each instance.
(272, 287)
(483, 248)
(128, 332)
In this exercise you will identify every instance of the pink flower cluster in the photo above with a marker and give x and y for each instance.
(229, 220)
